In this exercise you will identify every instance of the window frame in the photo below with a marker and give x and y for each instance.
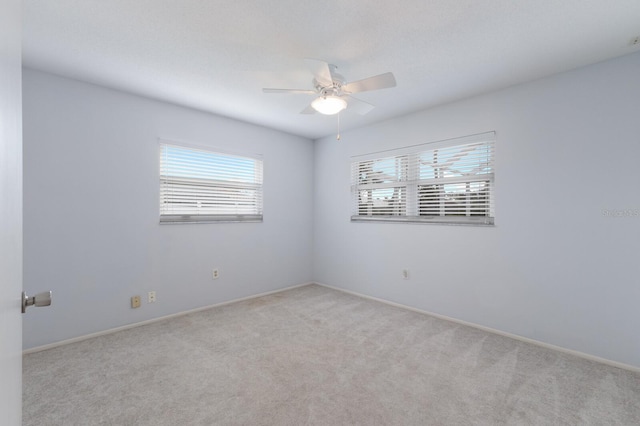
(168, 218)
(408, 181)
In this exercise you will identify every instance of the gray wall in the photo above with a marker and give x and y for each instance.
(554, 268)
(91, 231)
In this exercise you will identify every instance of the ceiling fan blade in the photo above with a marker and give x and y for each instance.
(320, 70)
(359, 106)
(381, 81)
(302, 91)
(308, 110)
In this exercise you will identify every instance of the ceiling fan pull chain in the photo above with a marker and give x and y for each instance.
(338, 135)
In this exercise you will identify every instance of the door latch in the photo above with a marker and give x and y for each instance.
(40, 299)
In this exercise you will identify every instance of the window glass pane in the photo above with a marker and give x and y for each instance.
(384, 170)
(461, 199)
(466, 160)
(382, 202)
(202, 186)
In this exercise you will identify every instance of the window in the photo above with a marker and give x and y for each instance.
(197, 185)
(441, 182)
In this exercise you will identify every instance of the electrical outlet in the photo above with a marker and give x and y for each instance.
(405, 274)
(215, 274)
(135, 302)
(151, 296)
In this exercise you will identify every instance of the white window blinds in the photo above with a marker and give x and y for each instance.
(446, 182)
(198, 185)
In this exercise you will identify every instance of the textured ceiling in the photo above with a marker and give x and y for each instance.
(216, 55)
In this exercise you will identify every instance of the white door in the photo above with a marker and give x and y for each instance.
(10, 213)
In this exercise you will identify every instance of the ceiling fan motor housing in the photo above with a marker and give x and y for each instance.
(335, 88)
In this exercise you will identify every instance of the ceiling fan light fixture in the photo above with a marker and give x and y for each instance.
(329, 105)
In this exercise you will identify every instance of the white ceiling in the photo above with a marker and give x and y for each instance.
(216, 55)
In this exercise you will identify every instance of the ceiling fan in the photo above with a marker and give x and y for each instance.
(334, 93)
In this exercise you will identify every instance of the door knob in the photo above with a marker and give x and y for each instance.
(40, 299)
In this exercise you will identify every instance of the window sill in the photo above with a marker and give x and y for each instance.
(194, 219)
(433, 220)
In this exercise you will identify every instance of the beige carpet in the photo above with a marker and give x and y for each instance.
(315, 356)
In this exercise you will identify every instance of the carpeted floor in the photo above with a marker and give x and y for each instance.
(316, 356)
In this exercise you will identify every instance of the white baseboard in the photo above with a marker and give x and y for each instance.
(151, 321)
(494, 331)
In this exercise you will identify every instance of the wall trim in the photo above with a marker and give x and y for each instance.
(493, 330)
(153, 320)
